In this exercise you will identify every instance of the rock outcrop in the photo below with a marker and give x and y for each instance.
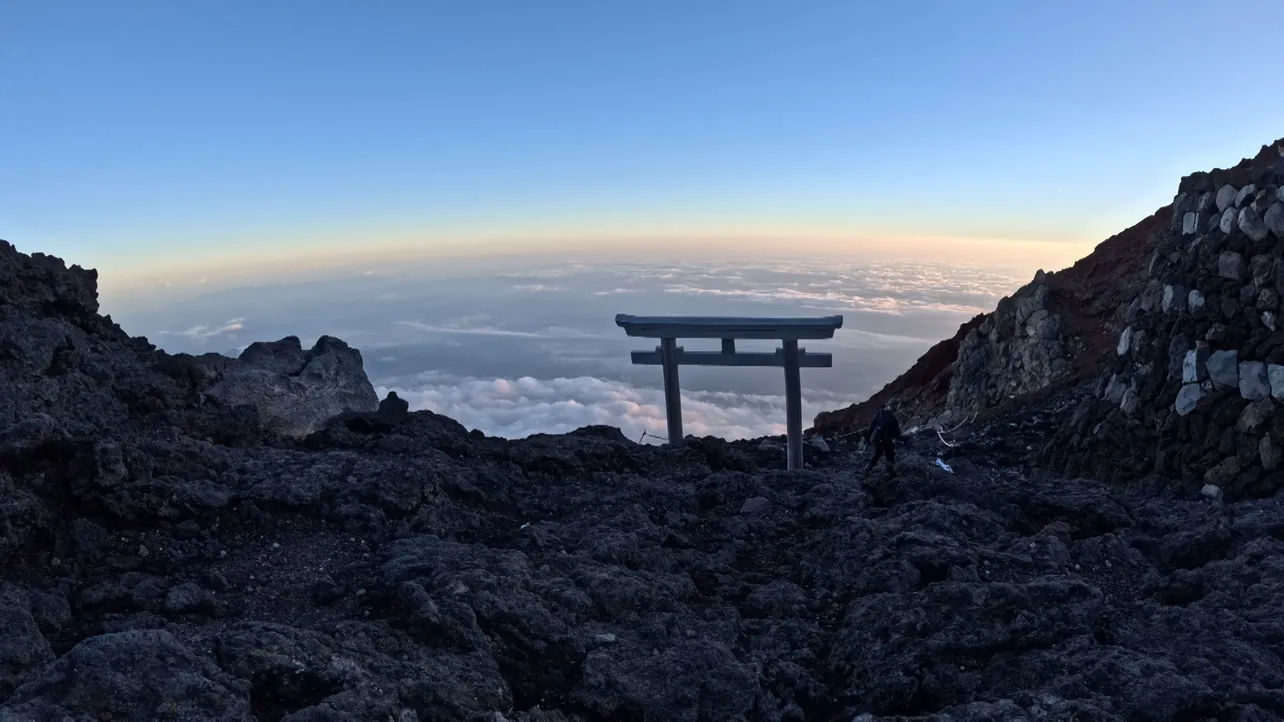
(1190, 395)
(1017, 349)
(296, 391)
(1064, 328)
(1057, 330)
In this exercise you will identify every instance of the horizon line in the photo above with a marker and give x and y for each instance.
(1041, 253)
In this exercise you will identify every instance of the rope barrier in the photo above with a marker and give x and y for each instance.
(938, 428)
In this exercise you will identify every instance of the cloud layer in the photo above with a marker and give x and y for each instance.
(519, 349)
(519, 407)
(202, 334)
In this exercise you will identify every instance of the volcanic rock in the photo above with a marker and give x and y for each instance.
(296, 391)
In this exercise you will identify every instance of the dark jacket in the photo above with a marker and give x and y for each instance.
(883, 427)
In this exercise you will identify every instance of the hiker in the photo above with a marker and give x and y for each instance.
(883, 431)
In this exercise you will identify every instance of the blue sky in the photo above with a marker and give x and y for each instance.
(161, 135)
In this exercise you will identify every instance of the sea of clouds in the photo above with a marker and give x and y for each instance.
(517, 347)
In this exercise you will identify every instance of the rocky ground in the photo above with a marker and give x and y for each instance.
(170, 556)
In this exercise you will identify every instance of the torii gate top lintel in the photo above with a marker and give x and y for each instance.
(742, 327)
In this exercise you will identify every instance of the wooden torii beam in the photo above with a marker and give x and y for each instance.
(790, 357)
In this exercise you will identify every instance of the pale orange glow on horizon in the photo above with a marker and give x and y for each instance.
(290, 260)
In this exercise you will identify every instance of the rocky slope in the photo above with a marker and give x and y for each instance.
(1059, 331)
(175, 545)
(1195, 387)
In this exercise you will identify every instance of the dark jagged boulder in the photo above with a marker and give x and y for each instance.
(297, 391)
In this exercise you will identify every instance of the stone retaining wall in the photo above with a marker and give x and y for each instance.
(1197, 390)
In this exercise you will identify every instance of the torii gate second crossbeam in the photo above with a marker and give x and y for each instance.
(790, 357)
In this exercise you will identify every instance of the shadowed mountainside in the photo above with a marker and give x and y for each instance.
(1079, 312)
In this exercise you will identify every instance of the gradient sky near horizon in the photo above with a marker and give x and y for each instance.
(148, 137)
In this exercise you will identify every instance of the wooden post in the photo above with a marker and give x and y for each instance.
(672, 394)
(793, 406)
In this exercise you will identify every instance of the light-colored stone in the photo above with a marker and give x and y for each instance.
(1253, 382)
(1125, 339)
(1228, 221)
(1275, 375)
(1192, 366)
(1223, 369)
(1269, 319)
(1226, 197)
(1251, 225)
(1269, 453)
(1195, 302)
(1129, 402)
(1211, 491)
(818, 443)
(1254, 416)
(1230, 265)
(1206, 202)
(1182, 204)
(1246, 194)
(1138, 345)
(1263, 201)
(756, 505)
(1115, 389)
(1188, 223)
(1188, 398)
(1274, 219)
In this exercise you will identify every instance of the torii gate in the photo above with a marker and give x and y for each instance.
(792, 358)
